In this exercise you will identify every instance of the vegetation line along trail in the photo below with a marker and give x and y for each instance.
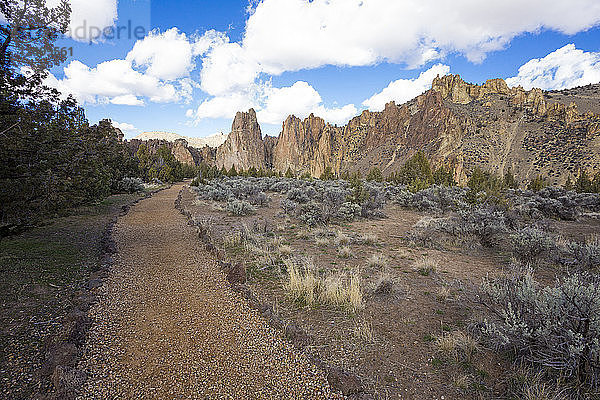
(168, 326)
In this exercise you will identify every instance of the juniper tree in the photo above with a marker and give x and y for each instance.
(28, 35)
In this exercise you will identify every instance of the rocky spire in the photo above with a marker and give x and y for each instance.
(244, 146)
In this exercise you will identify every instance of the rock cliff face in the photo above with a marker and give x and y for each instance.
(244, 146)
(182, 153)
(455, 123)
(212, 141)
(180, 149)
(303, 146)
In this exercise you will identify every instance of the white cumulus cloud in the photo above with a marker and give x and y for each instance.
(564, 68)
(300, 99)
(126, 128)
(126, 100)
(89, 18)
(112, 81)
(292, 35)
(273, 105)
(403, 90)
(227, 67)
(167, 55)
(225, 106)
(288, 35)
(157, 69)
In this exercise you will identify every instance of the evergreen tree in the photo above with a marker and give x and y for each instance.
(375, 175)
(583, 184)
(416, 168)
(509, 180)
(596, 183)
(444, 176)
(252, 172)
(359, 193)
(144, 161)
(28, 34)
(569, 184)
(327, 174)
(537, 183)
(486, 187)
(306, 176)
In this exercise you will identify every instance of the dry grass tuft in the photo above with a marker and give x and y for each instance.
(538, 390)
(280, 228)
(443, 293)
(377, 261)
(303, 282)
(304, 234)
(461, 381)
(277, 241)
(363, 331)
(355, 295)
(345, 252)
(322, 241)
(235, 239)
(341, 239)
(403, 253)
(322, 232)
(426, 266)
(307, 287)
(257, 250)
(268, 260)
(368, 239)
(333, 291)
(457, 346)
(285, 250)
(342, 291)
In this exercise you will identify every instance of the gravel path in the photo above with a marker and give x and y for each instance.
(167, 326)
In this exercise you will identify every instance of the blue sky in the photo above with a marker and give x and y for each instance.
(205, 60)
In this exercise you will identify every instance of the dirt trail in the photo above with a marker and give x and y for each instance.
(167, 326)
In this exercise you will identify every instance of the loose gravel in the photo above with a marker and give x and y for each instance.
(167, 325)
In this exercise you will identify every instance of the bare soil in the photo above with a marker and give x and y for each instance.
(168, 325)
(42, 276)
(402, 360)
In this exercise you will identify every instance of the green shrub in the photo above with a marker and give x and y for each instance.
(289, 173)
(485, 187)
(327, 174)
(554, 328)
(444, 176)
(509, 180)
(486, 223)
(240, 207)
(538, 183)
(375, 175)
(529, 243)
(585, 255)
(416, 168)
(131, 185)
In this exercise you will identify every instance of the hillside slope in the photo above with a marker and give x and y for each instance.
(455, 123)
(211, 141)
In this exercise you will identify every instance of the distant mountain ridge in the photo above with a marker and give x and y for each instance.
(211, 141)
(455, 123)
